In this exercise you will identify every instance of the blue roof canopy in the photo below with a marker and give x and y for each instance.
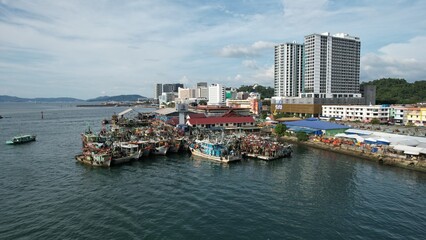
(316, 124)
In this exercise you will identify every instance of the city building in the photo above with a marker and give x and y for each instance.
(225, 122)
(288, 70)
(415, 116)
(166, 97)
(158, 90)
(242, 95)
(363, 113)
(368, 92)
(172, 87)
(186, 93)
(217, 94)
(331, 65)
(210, 111)
(254, 104)
(397, 115)
(231, 93)
(322, 71)
(202, 93)
(202, 85)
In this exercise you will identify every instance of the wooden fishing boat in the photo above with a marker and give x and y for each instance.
(277, 152)
(161, 148)
(213, 151)
(21, 139)
(95, 159)
(124, 152)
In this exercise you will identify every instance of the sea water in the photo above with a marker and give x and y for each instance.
(315, 194)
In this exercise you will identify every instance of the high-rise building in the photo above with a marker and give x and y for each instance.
(186, 93)
(201, 84)
(288, 70)
(158, 90)
(217, 94)
(332, 65)
(172, 87)
(202, 92)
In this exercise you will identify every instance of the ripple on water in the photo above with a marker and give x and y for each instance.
(315, 194)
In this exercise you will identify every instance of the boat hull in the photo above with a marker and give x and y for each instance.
(227, 158)
(162, 150)
(21, 139)
(126, 159)
(92, 161)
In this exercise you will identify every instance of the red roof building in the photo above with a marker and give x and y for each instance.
(225, 122)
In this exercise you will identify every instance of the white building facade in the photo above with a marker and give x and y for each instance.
(288, 70)
(186, 93)
(398, 117)
(363, 113)
(217, 94)
(332, 65)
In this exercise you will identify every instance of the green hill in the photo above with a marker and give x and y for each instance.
(394, 90)
(5, 98)
(119, 98)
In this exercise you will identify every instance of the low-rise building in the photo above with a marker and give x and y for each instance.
(219, 110)
(222, 122)
(396, 115)
(361, 113)
(415, 116)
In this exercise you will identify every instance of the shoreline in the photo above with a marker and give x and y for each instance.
(412, 164)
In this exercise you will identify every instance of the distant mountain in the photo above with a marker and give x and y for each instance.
(120, 98)
(5, 98)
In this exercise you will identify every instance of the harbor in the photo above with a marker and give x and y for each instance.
(160, 195)
(128, 139)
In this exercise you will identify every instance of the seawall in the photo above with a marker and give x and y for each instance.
(385, 159)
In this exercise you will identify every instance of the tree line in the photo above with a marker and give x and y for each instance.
(388, 91)
(398, 91)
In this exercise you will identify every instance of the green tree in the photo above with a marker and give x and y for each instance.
(302, 136)
(202, 102)
(265, 92)
(280, 129)
(395, 90)
(375, 121)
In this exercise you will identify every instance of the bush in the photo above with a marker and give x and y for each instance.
(280, 129)
(375, 121)
(302, 136)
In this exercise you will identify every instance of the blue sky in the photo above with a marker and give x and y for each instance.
(85, 49)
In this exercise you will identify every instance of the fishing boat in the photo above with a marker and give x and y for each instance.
(22, 139)
(161, 148)
(95, 159)
(176, 145)
(124, 152)
(275, 152)
(214, 151)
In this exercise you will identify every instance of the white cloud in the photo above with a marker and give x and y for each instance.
(184, 80)
(252, 64)
(244, 51)
(399, 60)
(75, 48)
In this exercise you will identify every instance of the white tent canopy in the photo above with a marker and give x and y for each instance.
(352, 136)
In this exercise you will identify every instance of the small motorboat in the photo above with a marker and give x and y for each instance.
(22, 139)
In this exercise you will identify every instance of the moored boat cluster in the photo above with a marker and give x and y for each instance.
(129, 140)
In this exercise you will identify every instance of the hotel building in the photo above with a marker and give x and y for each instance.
(288, 70)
